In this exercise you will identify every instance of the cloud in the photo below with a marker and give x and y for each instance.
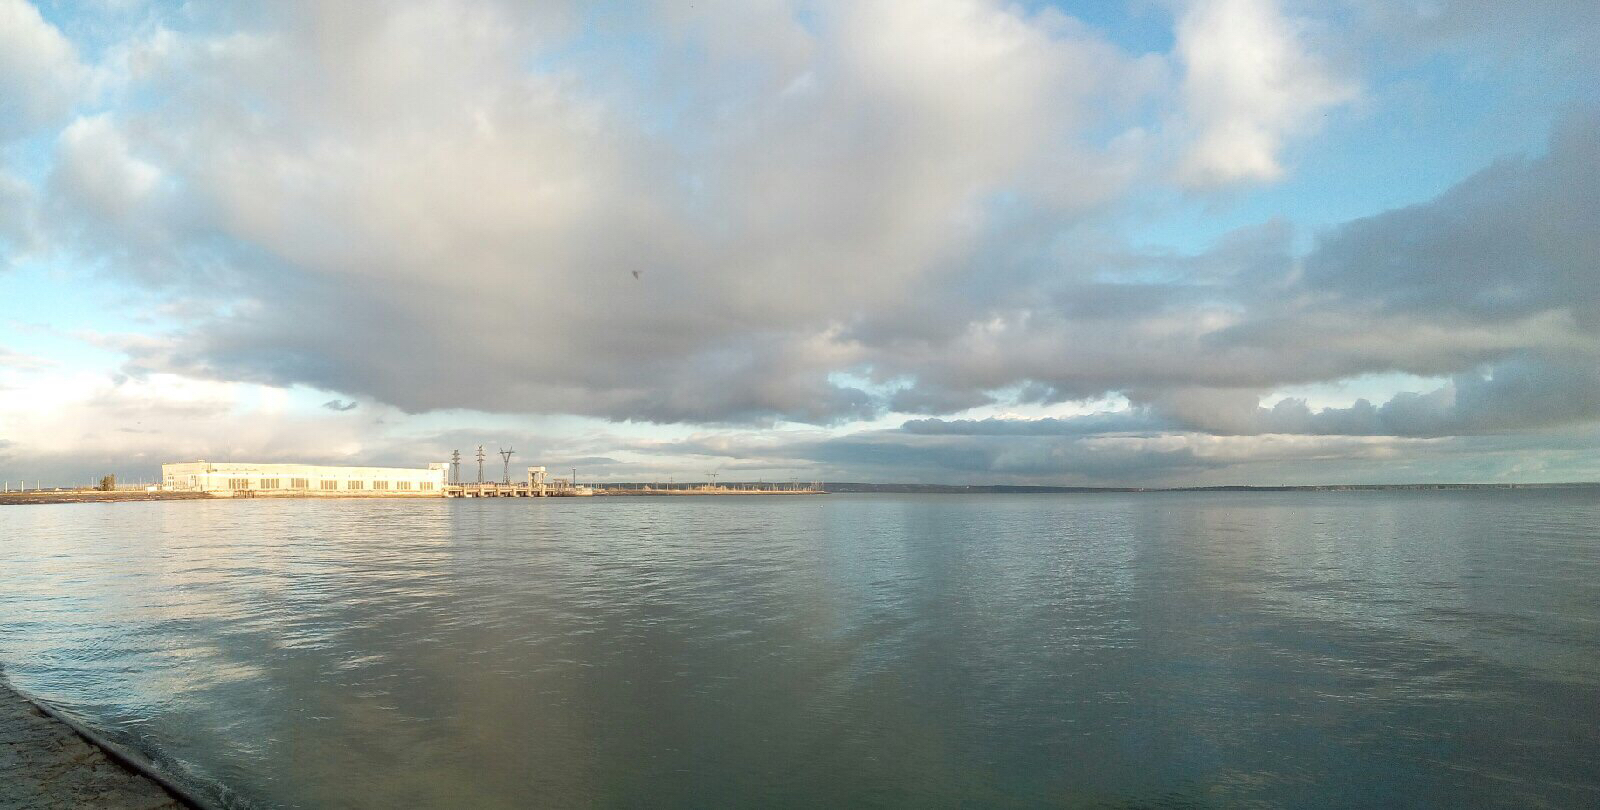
(740, 215)
(925, 397)
(17, 218)
(1129, 420)
(10, 359)
(41, 78)
(105, 196)
(1250, 83)
(716, 339)
(1492, 281)
(69, 425)
(339, 178)
(1551, 33)
(1521, 394)
(1057, 452)
(1517, 238)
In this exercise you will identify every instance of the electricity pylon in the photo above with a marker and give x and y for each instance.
(506, 454)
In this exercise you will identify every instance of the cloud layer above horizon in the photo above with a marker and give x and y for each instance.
(1193, 241)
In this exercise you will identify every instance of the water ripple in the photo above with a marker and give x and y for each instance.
(1283, 649)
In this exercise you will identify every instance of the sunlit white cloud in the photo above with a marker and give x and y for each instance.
(1250, 83)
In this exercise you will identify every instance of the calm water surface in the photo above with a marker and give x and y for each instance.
(1166, 650)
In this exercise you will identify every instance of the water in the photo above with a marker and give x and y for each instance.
(1159, 650)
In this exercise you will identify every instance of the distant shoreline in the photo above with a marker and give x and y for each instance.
(93, 496)
(609, 492)
(1002, 489)
(97, 496)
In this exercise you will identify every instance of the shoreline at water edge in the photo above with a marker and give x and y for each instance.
(48, 762)
(93, 496)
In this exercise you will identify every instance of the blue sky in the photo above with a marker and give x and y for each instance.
(1162, 242)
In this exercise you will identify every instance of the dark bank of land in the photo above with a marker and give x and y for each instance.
(93, 496)
(45, 764)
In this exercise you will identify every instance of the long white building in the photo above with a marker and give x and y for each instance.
(257, 480)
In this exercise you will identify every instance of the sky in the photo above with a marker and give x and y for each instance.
(1152, 243)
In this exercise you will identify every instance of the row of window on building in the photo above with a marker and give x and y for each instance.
(302, 483)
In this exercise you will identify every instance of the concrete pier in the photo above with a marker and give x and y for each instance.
(531, 489)
(491, 490)
(45, 764)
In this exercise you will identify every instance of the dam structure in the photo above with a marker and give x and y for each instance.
(239, 479)
(537, 485)
(255, 480)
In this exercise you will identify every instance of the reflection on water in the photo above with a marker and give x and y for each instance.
(1332, 649)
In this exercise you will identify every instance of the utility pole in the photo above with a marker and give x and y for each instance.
(506, 454)
(480, 465)
(455, 466)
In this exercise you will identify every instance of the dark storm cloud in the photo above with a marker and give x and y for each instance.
(1518, 238)
(926, 397)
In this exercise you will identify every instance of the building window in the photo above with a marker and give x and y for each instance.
(330, 484)
(269, 483)
(238, 483)
(426, 486)
(402, 485)
(380, 484)
(355, 485)
(298, 483)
